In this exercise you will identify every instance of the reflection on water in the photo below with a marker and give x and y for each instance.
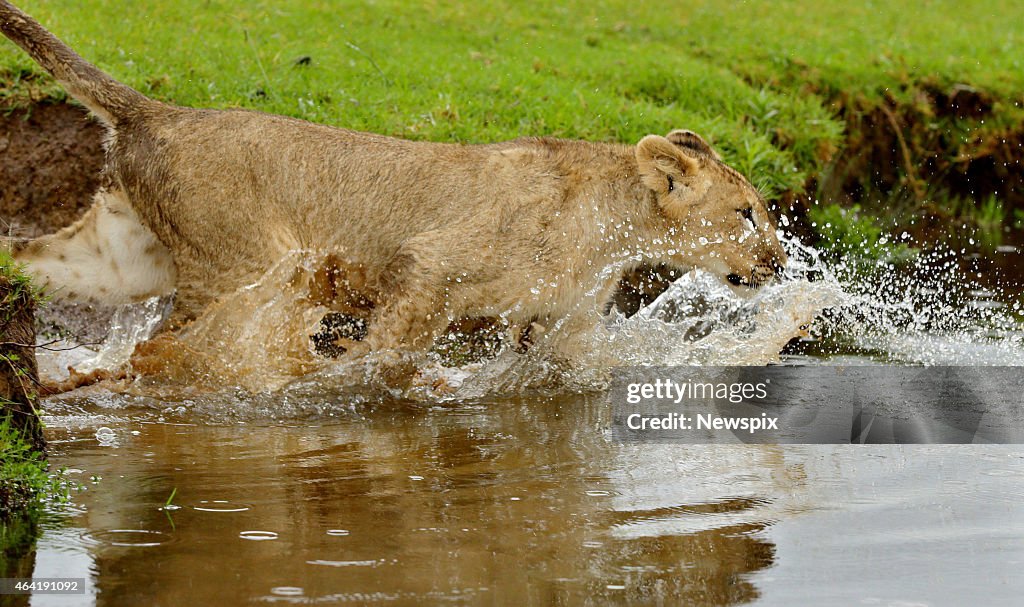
(522, 501)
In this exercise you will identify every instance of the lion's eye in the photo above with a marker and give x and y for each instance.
(748, 214)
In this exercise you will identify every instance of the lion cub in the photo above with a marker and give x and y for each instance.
(203, 202)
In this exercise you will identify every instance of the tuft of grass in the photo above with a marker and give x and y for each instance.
(990, 218)
(990, 212)
(17, 287)
(986, 220)
(12, 273)
(25, 481)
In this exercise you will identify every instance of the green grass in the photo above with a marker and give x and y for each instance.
(481, 71)
(760, 79)
(20, 285)
(854, 234)
(869, 47)
(25, 481)
(16, 292)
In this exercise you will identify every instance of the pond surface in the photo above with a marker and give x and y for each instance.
(501, 487)
(522, 501)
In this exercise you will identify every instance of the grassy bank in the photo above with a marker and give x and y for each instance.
(26, 486)
(24, 480)
(893, 101)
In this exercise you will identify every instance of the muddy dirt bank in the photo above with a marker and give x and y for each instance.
(51, 158)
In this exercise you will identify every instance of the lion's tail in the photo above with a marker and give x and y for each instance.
(106, 97)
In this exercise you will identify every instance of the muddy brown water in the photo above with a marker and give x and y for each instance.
(520, 501)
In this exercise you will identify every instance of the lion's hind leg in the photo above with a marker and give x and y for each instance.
(107, 256)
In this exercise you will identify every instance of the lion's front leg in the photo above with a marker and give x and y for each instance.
(411, 320)
(529, 333)
(412, 311)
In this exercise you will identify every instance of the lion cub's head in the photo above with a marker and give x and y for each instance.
(713, 217)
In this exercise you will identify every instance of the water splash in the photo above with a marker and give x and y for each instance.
(931, 311)
(253, 347)
(130, 325)
(256, 339)
(698, 320)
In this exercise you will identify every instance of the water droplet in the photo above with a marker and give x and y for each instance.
(137, 538)
(258, 535)
(220, 506)
(106, 437)
(326, 563)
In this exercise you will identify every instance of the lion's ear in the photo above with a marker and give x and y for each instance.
(663, 167)
(692, 141)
